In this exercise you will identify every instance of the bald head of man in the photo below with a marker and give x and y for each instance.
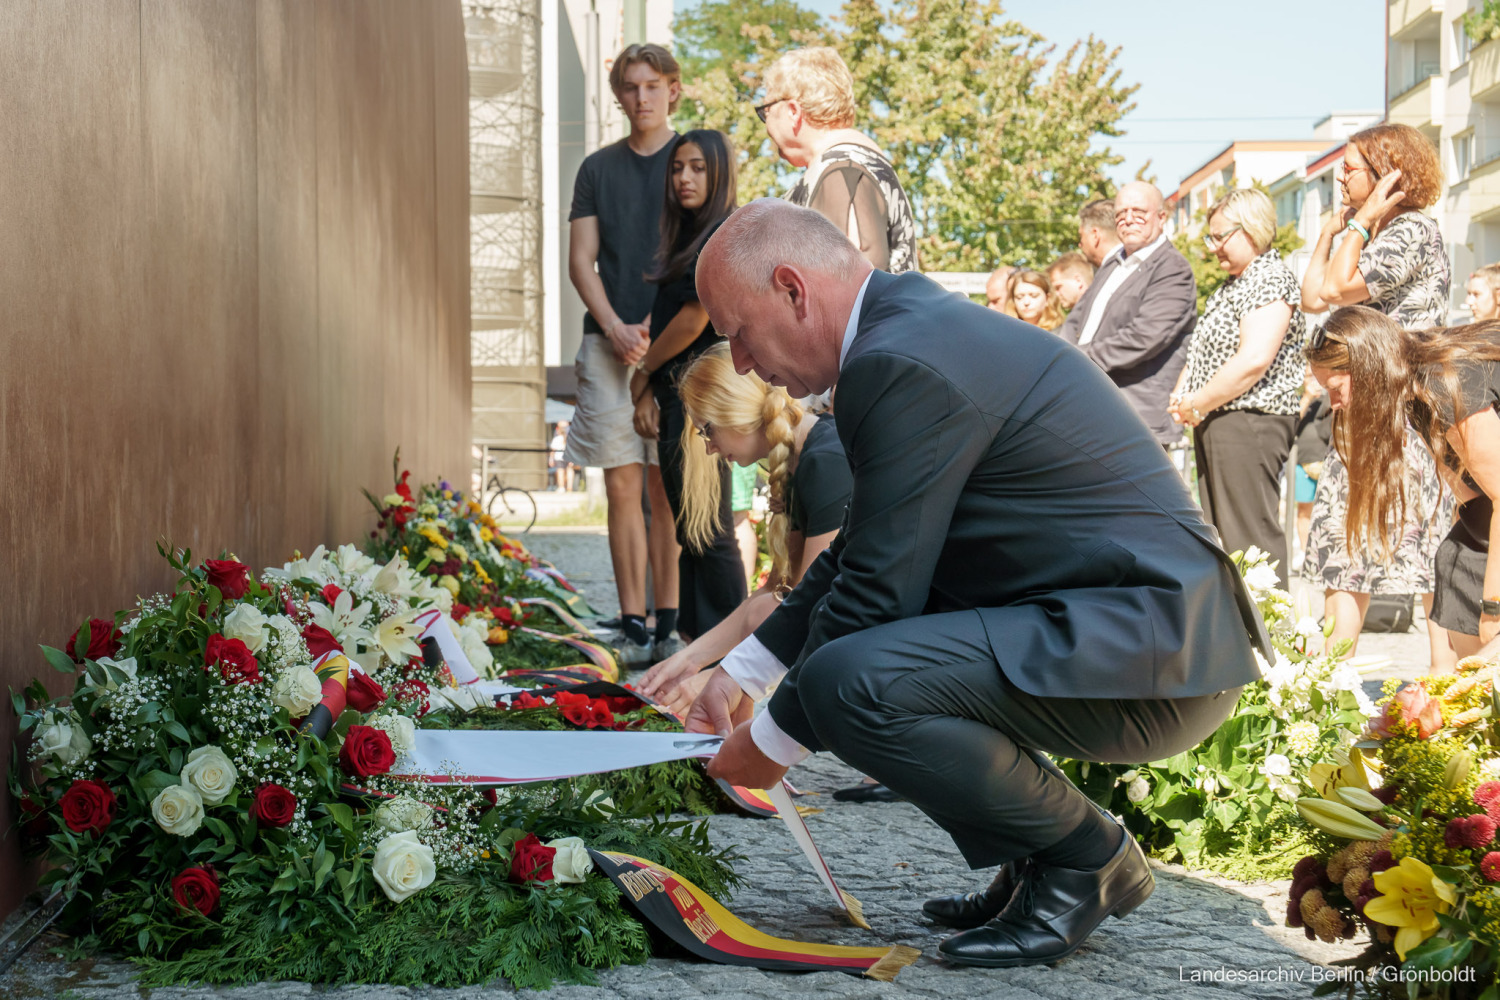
(1140, 215)
(779, 283)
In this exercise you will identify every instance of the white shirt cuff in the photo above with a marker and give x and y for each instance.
(754, 668)
(774, 743)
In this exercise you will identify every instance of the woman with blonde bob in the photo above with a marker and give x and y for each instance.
(743, 420)
(1241, 388)
(1384, 383)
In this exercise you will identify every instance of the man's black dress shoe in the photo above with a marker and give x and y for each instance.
(1054, 910)
(867, 791)
(974, 908)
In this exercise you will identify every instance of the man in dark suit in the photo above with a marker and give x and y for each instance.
(1020, 571)
(1135, 319)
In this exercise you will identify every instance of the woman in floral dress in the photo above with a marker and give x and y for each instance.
(1391, 259)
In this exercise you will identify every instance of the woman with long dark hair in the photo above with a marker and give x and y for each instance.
(1444, 383)
(700, 196)
(1391, 259)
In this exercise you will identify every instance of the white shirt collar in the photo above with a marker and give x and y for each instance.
(853, 326)
(1139, 257)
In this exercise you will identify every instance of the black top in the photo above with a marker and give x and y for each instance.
(671, 296)
(1314, 431)
(626, 191)
(1479, 381)
(819, 489)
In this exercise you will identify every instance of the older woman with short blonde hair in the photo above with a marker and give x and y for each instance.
(809, 111)
(1242, 386)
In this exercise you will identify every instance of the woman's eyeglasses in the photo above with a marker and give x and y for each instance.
(761, 109)
(1215, 240)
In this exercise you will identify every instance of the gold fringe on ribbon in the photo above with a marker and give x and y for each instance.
(900, 957)
(856, 911)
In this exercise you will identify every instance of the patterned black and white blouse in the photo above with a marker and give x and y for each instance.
(854, 186)
(1407, 272)
(1216, 338)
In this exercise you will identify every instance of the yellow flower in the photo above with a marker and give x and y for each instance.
(485, 534)
(449, 583)
(435, 554)
(499, 635)
(479, 570)
(431, 534)
(1411, 898)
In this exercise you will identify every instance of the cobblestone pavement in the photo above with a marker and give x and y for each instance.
(891, 858)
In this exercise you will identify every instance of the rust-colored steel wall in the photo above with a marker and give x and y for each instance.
(234, 246)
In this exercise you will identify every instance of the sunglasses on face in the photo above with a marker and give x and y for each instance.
(706, 432)
(1318, 339)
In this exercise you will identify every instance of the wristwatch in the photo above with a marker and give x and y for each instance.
(1490, 606)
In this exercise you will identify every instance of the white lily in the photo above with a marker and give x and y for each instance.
(395, 578)
(397, 637)
(346, 620)
(310, 567)
(351, 560)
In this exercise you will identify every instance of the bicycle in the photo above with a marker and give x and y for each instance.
(515, 505)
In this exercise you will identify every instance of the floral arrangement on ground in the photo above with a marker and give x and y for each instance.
(1229, 804)
(1403, 847)
(205, 813)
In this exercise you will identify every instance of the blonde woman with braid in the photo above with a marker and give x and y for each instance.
(742, 420)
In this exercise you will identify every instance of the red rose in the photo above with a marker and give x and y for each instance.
(232, 578)
(104, 640)
(196, 889)
(88, 805)
(364, 694)
(273, 805)
(459, 612)
(366, 751)
(319, 640)
(530, 861)
(236, 663)
(331, 592)
(527, 700)
(1413, 708)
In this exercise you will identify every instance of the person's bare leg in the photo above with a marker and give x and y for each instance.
(744, 535)
(1347, 609)
(664, 547)
(1441, 642)
(1304, 524)
(1463, 645)
(627, 536)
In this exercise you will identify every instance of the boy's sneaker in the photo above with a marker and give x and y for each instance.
(662, 649)
(631, 655)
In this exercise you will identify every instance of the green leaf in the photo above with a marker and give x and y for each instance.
(343, 816)
(60, 661)
(1438, 953)
(322, 871)
(178, 730)
(284, 881)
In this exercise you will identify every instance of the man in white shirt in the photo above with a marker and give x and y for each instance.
(1136, 317)
(975, 611)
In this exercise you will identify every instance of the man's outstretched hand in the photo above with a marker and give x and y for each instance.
(722, 708)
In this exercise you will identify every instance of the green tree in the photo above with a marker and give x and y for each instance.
(995, 138)
(710, 34)
(1205, 263)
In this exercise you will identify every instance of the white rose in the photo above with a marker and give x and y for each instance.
(1308, 627)
(248, 625)
(1261, 577)
(297, 690)
(403, 813)
(572, 861)
(178, 809)
(476, 649)
(62, 738)
(1137, 790)
(402, 865)
(1279, 765)
(211, 773)
(1346, 678)
(401, 730)
(127, 666)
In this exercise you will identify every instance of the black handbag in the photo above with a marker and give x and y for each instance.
(1389, 613)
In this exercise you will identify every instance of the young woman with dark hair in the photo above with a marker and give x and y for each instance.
(1383, 380)
(700, 196)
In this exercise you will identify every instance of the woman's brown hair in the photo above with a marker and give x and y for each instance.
(1052, 314)
(1389, 370)
(1401, 147)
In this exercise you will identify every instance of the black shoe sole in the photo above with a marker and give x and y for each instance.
(1137, 896)
(962, 926)
(867, 792)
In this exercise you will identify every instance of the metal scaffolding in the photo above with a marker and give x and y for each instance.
(505, 216)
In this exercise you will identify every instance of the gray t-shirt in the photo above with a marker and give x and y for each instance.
(625, 190)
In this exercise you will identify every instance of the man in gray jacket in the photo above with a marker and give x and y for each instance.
(1135, 319)
(1020, 572)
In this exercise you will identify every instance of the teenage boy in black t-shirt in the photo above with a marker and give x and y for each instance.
(614, 229)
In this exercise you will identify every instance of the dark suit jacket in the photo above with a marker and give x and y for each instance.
(1142, 339)
(995, 467)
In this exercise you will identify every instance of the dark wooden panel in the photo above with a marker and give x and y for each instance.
(236, 279)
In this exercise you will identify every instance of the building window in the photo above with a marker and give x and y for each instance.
(1463, 155)
(1461, 43)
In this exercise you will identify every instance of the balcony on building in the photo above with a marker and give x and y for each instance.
(1484, 191)
(1412, 19)
(1484, 72)
(1420, 106)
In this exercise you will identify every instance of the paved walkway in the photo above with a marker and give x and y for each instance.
(890, 857)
